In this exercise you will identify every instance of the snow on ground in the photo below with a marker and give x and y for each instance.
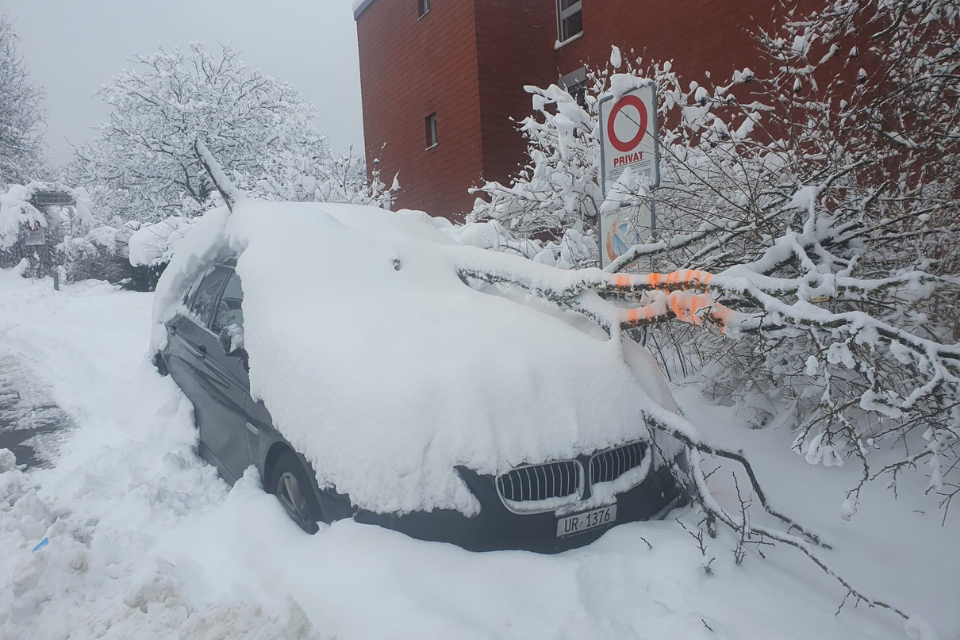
(146, 542)
(31, 423)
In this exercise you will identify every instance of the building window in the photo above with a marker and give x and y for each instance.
(570, 19)
(430, 125)
(575, 83)
(424, 6)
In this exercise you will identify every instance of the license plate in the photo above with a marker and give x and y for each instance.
(586, 520)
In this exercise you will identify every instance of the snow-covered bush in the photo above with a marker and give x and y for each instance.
(76, 241)
(17, 213)
(556, 197)
(321, 178)
(153, 244)
(822, 193)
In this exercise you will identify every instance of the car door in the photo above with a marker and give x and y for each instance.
(185, 330)
(223, 385)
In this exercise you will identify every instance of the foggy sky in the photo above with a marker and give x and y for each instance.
(74, 46)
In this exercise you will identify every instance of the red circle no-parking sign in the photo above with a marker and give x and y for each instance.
(621, 145)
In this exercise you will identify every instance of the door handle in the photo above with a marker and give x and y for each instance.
(197, 352)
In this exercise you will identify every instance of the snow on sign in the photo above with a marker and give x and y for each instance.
(36, 236)
(628, 137)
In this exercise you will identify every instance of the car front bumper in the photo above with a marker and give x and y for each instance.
(497, 528)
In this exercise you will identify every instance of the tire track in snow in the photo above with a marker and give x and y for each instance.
(30, 420)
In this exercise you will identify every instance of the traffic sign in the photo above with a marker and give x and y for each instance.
(628, 145)
(628, 137)
(625, 226)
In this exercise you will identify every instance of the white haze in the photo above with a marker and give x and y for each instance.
(72, 47)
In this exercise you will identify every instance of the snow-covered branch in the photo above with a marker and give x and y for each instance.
(228, 191)
(808, 207)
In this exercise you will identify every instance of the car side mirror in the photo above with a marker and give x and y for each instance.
(231, 340)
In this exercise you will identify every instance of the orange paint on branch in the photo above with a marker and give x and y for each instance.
(665, 281)
(685, 306)
(641, 314)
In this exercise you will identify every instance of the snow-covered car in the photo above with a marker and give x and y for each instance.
(344, 353)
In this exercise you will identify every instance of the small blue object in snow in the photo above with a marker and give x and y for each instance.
(42, 544)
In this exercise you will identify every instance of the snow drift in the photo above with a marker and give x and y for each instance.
(387, 371)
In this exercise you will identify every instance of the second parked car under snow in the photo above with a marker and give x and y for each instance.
(341, 352)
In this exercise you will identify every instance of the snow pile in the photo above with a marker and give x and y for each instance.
(93, 579)
(125, 478)
(387, 372)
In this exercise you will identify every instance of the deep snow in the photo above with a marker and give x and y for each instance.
(146, 542)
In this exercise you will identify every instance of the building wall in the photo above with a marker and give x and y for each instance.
(697, 35)
(515, 41)
(469, 60)
(411, 67)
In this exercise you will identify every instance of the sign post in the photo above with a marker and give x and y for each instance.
(629, 170)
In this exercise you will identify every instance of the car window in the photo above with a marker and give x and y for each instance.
(229, 311)
(190, 294)
(207, 295)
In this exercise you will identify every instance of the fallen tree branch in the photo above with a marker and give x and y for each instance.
(713, 509)
(228, 191)
(696, 444)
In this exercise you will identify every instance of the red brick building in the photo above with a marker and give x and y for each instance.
(441, 79)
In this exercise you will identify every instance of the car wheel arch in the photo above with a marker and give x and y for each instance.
(270, 461)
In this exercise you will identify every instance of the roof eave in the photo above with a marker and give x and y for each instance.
(361, 8)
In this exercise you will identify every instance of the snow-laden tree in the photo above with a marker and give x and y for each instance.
(258, 125)
(21, 115)
(815, 199)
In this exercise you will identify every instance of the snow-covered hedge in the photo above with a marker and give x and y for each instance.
(154, 244)
(79, 242)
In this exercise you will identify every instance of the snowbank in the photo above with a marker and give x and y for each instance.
(387, 372)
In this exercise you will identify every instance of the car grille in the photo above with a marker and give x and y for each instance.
(609, 465)
(541, 482)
